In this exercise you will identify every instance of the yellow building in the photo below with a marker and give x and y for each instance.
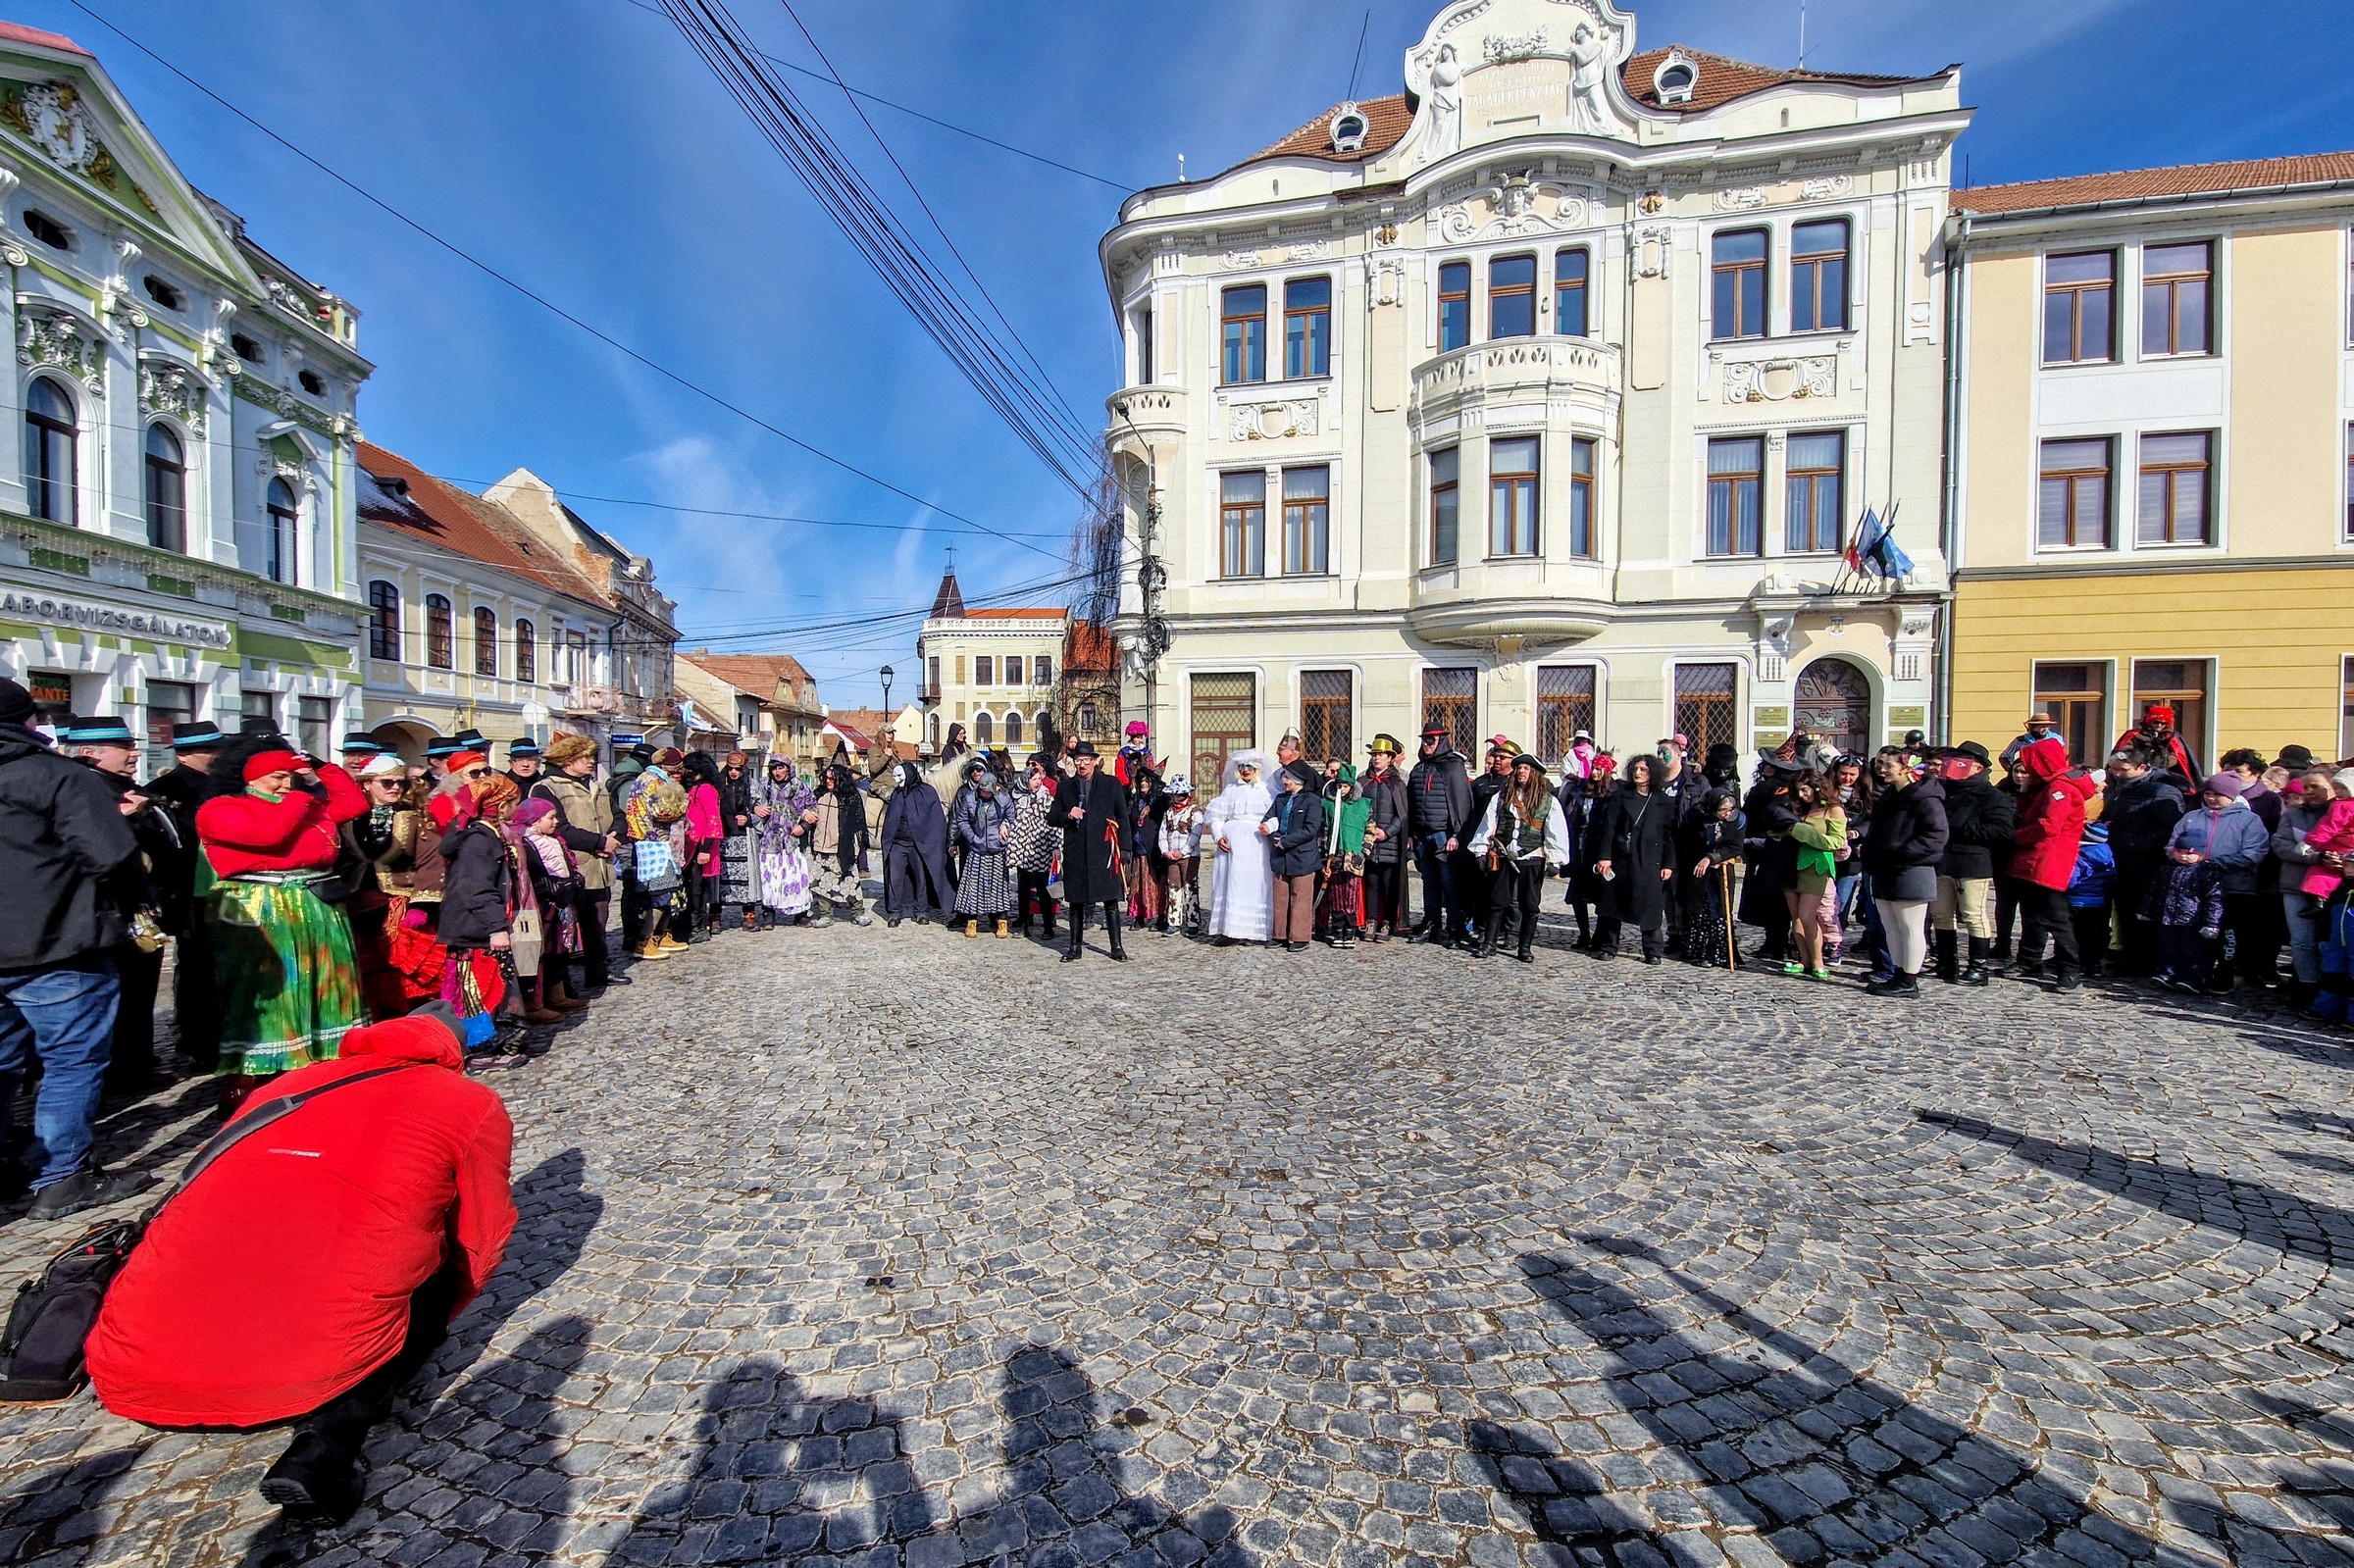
(2152, 455)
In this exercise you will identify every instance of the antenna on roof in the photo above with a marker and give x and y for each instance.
(1802, 34)
(1181, 169)
(1350, 95)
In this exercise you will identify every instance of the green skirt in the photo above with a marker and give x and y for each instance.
(288, 978)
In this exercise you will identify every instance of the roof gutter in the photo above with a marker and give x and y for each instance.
(2272, 194)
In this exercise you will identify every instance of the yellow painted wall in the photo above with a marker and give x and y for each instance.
(2277, 640)
(2004, 316)
(2285, 460)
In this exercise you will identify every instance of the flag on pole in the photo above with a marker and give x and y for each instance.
(1861, 557)
(1894, 564)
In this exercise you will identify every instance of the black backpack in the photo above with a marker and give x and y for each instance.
(41, 1349)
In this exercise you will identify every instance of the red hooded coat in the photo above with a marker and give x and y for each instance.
(2051, 816)
(281, 1276)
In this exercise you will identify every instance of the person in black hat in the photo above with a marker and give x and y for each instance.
(106, 747)
(1093, 813)
(1768, 813)
(63, 839)
(178, 791)
(1980, 819)
(358, 749)
(1524, 831)
(522, 763)
(1438, 796)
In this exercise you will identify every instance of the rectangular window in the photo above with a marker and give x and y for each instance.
(985, 670)
(258, 705)
(1513, 296)
(1815, 493)
(1243, 324)
(2176, 284)
(1308, 326)
(315, 724)
(932, 668)
(1564, 706)
(2071, 508)
(1450, 700)
(2175, 489)
(1243, 524)
(1042, 671)
(1455, 305)
(485, 641)
(2181, 684)
(1581, 498)
(1513, 496)
(1704, 704)
(1443, 507)
(1738, 284)
(384, 621)
(1144, 347)
(2080, 315)
(1326, 724)
(2076, 697)
(169, 703)
(1818, 276)
(1736, 495)
(440, 633)
(1224, 714)
(1569, 270)
(1307, 521)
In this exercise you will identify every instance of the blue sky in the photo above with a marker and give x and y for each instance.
(578, 145)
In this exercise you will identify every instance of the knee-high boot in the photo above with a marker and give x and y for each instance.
(1490, 931)
(1111, 928)
(1949, 956)
(1078, 924)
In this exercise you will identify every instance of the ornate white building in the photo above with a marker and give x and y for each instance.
(1542, 398)
(178, 539)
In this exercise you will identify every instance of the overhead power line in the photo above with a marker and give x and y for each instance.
(1123, 186)
(1030, 407)
(549, 305)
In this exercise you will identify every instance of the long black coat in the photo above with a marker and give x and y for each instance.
(916, 827)
(1386, 794)
(1637, 834)
(473, 892)
(61, 834)
(1093, 844)
(1297, 846)
(1979, 820)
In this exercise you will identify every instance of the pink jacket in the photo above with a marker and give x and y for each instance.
(704, 828)
(2335, 833)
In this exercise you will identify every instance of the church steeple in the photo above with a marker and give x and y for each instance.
(948, 602)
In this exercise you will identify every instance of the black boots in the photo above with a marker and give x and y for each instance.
(1528, 937)
(314, 1480)
(1078, 925)
(1949, 962)
(1112, 924)
(1489, 931)
(1980, 949)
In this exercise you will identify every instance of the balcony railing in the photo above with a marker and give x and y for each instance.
(1518, 369)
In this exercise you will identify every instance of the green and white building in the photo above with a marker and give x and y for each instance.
(179, 539)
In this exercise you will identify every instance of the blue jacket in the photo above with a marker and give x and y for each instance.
(1297, 847)
(2096, 868)
(2234, 840)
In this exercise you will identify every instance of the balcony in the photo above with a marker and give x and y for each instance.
(1564, 374)
(1526, 603)
(1153, 411)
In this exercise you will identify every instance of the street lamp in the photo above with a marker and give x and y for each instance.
(887, 694)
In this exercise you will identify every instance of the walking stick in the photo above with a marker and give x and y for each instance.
(1725, 878)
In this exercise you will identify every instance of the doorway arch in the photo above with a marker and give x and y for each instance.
(1834, 703)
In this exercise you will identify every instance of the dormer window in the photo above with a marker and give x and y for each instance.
(246, 348)
(48, 230)
(313, 382)
(164, 294)
(1348, 129)
(1675, 78)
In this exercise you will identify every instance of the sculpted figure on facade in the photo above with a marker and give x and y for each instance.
(1589, 61)
(1446, 106)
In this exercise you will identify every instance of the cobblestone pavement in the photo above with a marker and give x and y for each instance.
(901, 1248)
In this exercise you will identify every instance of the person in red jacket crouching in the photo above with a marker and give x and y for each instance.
(310, 1271)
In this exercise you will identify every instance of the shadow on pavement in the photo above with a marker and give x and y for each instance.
(50, 1517)
(781, 1476)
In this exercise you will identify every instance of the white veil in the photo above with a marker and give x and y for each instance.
(1254, 758)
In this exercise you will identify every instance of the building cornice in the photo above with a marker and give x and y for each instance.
(1968, 230)
(2136, 567)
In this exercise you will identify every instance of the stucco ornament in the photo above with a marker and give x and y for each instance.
(57, 124)
(1269, 421)
(1497, 51)
(1590, 56)
(1777, 379)
(174, 389)
(61, 340)
(1445, 99)
(1516, 207)
(1479, 56)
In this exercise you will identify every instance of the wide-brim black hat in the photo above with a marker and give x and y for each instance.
(94, 732)
(1084, 748)
(197, 737)
(360, 741)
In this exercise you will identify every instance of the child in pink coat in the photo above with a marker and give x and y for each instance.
(2332, 835)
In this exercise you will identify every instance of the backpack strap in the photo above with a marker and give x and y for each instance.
(244, 1127)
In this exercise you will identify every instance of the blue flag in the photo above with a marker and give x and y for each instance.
(1863, 552)
(1892, 560)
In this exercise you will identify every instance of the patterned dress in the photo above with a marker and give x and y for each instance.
(780, 869)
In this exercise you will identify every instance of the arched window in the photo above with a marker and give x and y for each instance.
(282, 536)
(486, 640)
(1013, 729)
(49, 449)
(383, 620)
(167, 490)
(527, 654)
(983, 735)
(440, 640)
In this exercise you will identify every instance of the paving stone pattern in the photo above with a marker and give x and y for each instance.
(895, 1249)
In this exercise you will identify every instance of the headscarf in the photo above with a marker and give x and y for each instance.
(494, 792)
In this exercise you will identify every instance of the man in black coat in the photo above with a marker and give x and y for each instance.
(63, 839)
(1688, 902)
(2144, 800)
(1438, 794)
(1980, 819)
(105, 746)
(178, 791)
(1092, 811)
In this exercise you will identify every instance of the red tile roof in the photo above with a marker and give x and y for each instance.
(440, 514)
(1720, 81)
(753, 674)
(17, 33)
(2182, 179)
(1088, 648)
(1387, 121)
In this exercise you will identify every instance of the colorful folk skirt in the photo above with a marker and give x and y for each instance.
(738, 868)
(784, 879)
(286, 976)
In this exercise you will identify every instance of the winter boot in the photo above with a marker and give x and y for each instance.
(1528, 937)
(1949, 967)
(1980, 949)
(1047, 913)
(2066, 977)
(1078, 925)
(2329, 1004)
(1489, 932)
(1111, 926)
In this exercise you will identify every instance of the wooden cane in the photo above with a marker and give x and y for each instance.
(1724, 877)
